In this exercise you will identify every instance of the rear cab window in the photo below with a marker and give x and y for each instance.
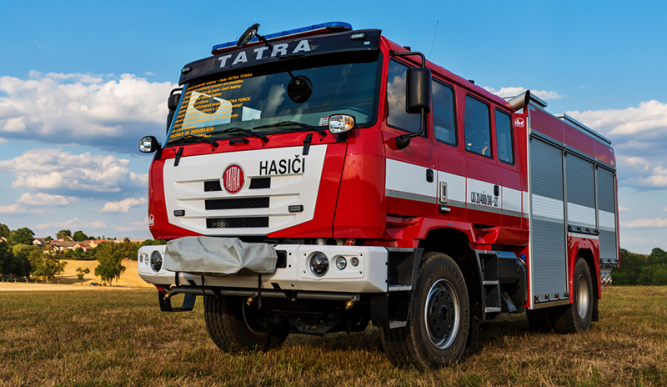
(477, 127)
(444, 113)
(504, 137)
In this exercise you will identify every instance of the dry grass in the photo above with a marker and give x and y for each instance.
(121, 338)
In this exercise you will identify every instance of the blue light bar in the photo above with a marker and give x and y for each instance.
(337, 26)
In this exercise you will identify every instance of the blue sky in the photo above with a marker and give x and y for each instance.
(81, 82)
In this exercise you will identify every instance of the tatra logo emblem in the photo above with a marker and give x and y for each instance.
(519, 122)
(233, 179)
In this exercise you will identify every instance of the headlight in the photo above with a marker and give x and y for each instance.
(142, 257)
(341, 263)
(319, 264)
(339, 123)
(355, 261)
(156, 261)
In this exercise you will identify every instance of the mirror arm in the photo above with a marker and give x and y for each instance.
(263, 39)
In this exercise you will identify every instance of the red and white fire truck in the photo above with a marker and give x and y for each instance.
(317, 179)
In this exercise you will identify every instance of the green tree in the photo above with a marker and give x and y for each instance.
(45, 264)
(63, 233)
(79, 236)
(110, 260)
(23, 236)
(630, 270)
(20, 266)
(4, 231)
(48, 238)
(80, 273)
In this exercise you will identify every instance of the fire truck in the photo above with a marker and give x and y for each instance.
(318, 179)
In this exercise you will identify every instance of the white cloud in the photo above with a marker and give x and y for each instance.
(665, 209)
(514, 91)
(74, 223)
(123, 205)
(13, 209)
(133, 226)
(43, 199)
(652, 223)
(53, 169)
(622, 209)
(638, 241)
(106, 111)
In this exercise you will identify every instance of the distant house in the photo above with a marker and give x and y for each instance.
(60, 247)
(41, 242)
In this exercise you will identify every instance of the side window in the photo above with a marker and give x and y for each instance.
(477, 127)
(504, 137)
(444, 124)
(397, 117)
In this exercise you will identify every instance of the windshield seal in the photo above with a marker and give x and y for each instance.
(372, 62)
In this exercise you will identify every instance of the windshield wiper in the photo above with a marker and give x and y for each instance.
(246, 131)
(290, 123)
(192, 138)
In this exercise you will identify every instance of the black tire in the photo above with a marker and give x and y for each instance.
(441, 285)
(539, 320)
(576, 317)
(227, 327)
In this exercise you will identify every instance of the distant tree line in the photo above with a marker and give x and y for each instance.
(20, 259)
(638, 269)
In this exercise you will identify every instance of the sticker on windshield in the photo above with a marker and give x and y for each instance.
(324, 121)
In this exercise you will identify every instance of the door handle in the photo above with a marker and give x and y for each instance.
(429, 175)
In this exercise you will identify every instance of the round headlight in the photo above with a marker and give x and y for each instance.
(156, 261)
(319, 264)
(341, 263)
(355, 261)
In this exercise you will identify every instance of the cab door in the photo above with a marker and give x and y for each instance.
(411, 178)
(483, 191)
(450, 162)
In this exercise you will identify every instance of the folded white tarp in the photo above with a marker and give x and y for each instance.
(219, 256)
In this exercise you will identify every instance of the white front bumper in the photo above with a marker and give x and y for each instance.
(370, 276)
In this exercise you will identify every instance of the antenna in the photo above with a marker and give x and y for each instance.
(436, 31)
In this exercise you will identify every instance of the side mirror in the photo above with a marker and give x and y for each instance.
(172, 104)
(148, 144)
(418, 90)
(248, 35)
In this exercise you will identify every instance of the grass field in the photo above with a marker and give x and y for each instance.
(121, 338)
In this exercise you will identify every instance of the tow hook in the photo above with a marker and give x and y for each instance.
(349, 304)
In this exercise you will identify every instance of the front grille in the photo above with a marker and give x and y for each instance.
(212, 185)
(238, 222)
(230, 204)
(260, 182)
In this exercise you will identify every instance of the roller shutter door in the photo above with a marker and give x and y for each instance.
(580, 175)
(548, 254)
(607, 215)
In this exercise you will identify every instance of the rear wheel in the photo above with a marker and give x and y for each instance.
(576, 317)
(437, 330)
(233, 326)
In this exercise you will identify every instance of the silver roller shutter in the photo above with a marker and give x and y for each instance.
(606, 193)
(580, 176)
(547, 232)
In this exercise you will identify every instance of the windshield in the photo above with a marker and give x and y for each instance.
(249, 100)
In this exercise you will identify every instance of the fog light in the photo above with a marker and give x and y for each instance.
(319, 264)
(341, 263)
(355, 261)
(156, 261)
(339, 123)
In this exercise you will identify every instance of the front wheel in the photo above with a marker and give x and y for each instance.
(233, 326)
(437, 329)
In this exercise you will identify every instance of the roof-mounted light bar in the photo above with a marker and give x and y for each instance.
(310, 30)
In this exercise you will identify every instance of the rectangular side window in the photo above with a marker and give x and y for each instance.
(477, 127)
(397, 117)
(504, 137)
(444, 113)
